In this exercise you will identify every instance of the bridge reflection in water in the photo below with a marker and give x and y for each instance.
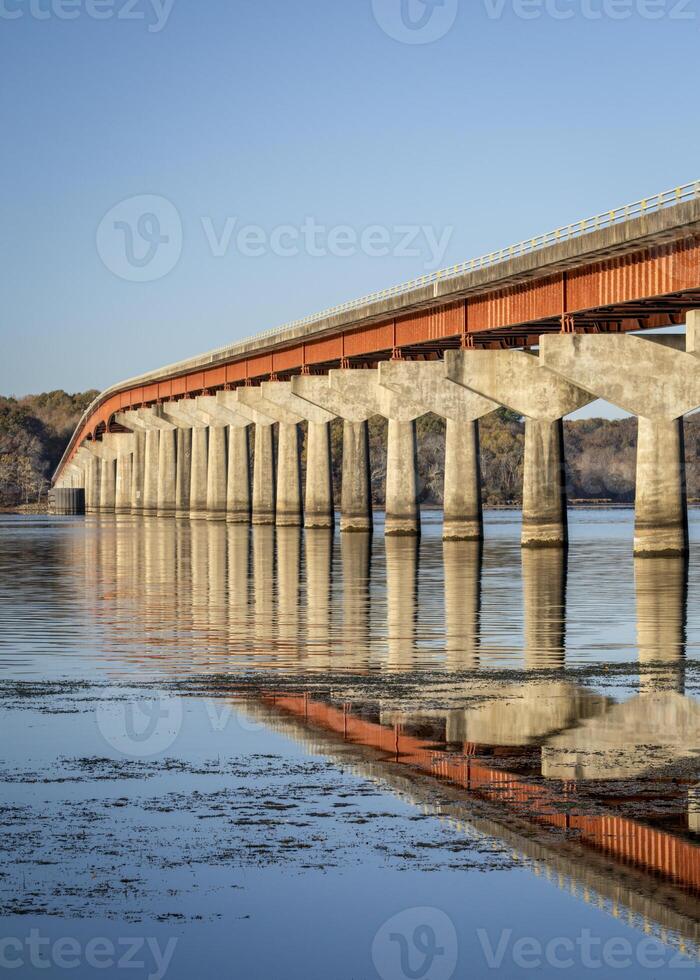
(588, 769)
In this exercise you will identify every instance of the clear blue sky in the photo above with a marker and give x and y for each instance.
(276, 111)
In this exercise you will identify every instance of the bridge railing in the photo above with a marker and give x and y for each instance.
(576, 229)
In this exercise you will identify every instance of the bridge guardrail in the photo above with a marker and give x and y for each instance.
(576, 229)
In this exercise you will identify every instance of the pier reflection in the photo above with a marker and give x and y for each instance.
(393, 640)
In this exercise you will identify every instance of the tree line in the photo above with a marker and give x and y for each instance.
(34, 431)
(600, 453)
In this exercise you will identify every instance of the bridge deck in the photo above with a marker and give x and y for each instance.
(639, 273)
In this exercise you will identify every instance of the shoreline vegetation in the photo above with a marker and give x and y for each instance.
(600, 455)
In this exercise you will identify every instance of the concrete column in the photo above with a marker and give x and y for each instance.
(167, 473)
(288, 504)
(183, 472)
(150, 478)
(661, 507)
(108, 485)
(402, 511)
(462, 507)
(217, 471)
(92, 485)
(356, 494)
(356, 499)
(319, 510)
(544, 482)
(363, 388)
(657, 382)
(264, 482)
(124, 482)
(425, 382)
(519, 380)
(199, 473)
(288, 512)
(138, 472)
(238, 499)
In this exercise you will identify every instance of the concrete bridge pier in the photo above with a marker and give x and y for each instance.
(264, 474)
(132, 421)
(108, 486)
(91, 469)
(651, 378)
(159, 463)
(105, 497)
(362, 388)
(199, 466)
(150, 479)
(219, 409)
(184, 415)
(425, 382)
(229, 484)
(319, 510)
(288, 498)
(356, 495)
(122, 504)
(217, 473)
(518, 380)
(183, 471)
(122, 446)
(238, 496)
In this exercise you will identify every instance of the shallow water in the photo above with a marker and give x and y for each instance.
(279, 754)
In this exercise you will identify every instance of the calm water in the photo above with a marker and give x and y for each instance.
(258, 754)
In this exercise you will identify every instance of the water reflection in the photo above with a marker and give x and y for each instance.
(462, 569)
(544, 598)
(661, 588)
(477, 666)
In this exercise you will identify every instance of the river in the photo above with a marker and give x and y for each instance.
(256, 754)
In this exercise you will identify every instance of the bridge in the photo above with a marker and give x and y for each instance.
(542, 327)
